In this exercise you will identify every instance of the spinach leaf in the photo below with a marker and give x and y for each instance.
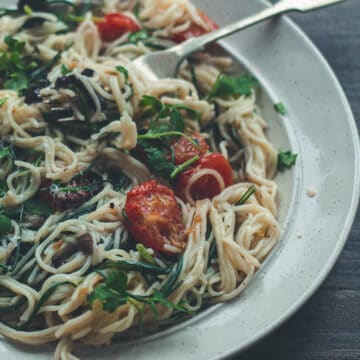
(226, 85)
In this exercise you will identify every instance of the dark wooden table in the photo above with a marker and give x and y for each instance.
(327, 327)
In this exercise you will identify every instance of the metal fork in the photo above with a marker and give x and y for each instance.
(165, 64)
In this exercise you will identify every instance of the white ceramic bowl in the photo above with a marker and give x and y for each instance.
(321, 129)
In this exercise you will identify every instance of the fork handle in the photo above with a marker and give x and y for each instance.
(284, 6)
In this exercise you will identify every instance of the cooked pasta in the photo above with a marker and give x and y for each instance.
(86, 140)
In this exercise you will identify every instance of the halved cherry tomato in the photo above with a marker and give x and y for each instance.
(112, 26)
(207, 186)
(195, 30)
(153, 217)
(185, 150)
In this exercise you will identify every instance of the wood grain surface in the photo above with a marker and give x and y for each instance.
(327, 327)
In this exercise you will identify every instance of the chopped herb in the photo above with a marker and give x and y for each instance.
(3, 101)
(27, 10)
(7, 152)
(65, 70)
(157, 161)
(5, 225)
(113, 294)
(145, 254)
(280, 108)
(247, 195)
(179, 169)
(226, 85)
(153, 104)
(44, 297)
(6, 309)
(167, 123)
(14, 66)
(286, 160)
(130, 265)
(135, 37)
(124, 71)
(37, 207)
(194, 79)
(79, 212)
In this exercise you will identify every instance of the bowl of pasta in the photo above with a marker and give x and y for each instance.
(189, 214)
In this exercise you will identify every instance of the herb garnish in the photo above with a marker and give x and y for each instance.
(167, 124)
(286, 160)
(112, 293)
(5, 225)
(227, 85)
(247, 195)
(280, 108)
(3, 101)
(124, 71)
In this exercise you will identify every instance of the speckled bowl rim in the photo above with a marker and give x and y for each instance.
(317, 282)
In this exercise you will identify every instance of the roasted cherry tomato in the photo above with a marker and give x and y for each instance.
(72, 194)
(153, 217)
(184, 150)
(207, 186)
(112, 26)
(195, 30)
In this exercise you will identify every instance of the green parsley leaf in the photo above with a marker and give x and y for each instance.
(152, 104)
(14, 45)
(124, 71)
(117, 281)
(280, 108)
(158, 162)
(112, 294)
(17, 82)
(286, 160)
(226, 85)
(109, 299)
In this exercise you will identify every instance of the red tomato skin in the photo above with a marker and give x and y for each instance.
(114, 25)
(195, 30)
(207, 186)
(184, 150)
(154, 217)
